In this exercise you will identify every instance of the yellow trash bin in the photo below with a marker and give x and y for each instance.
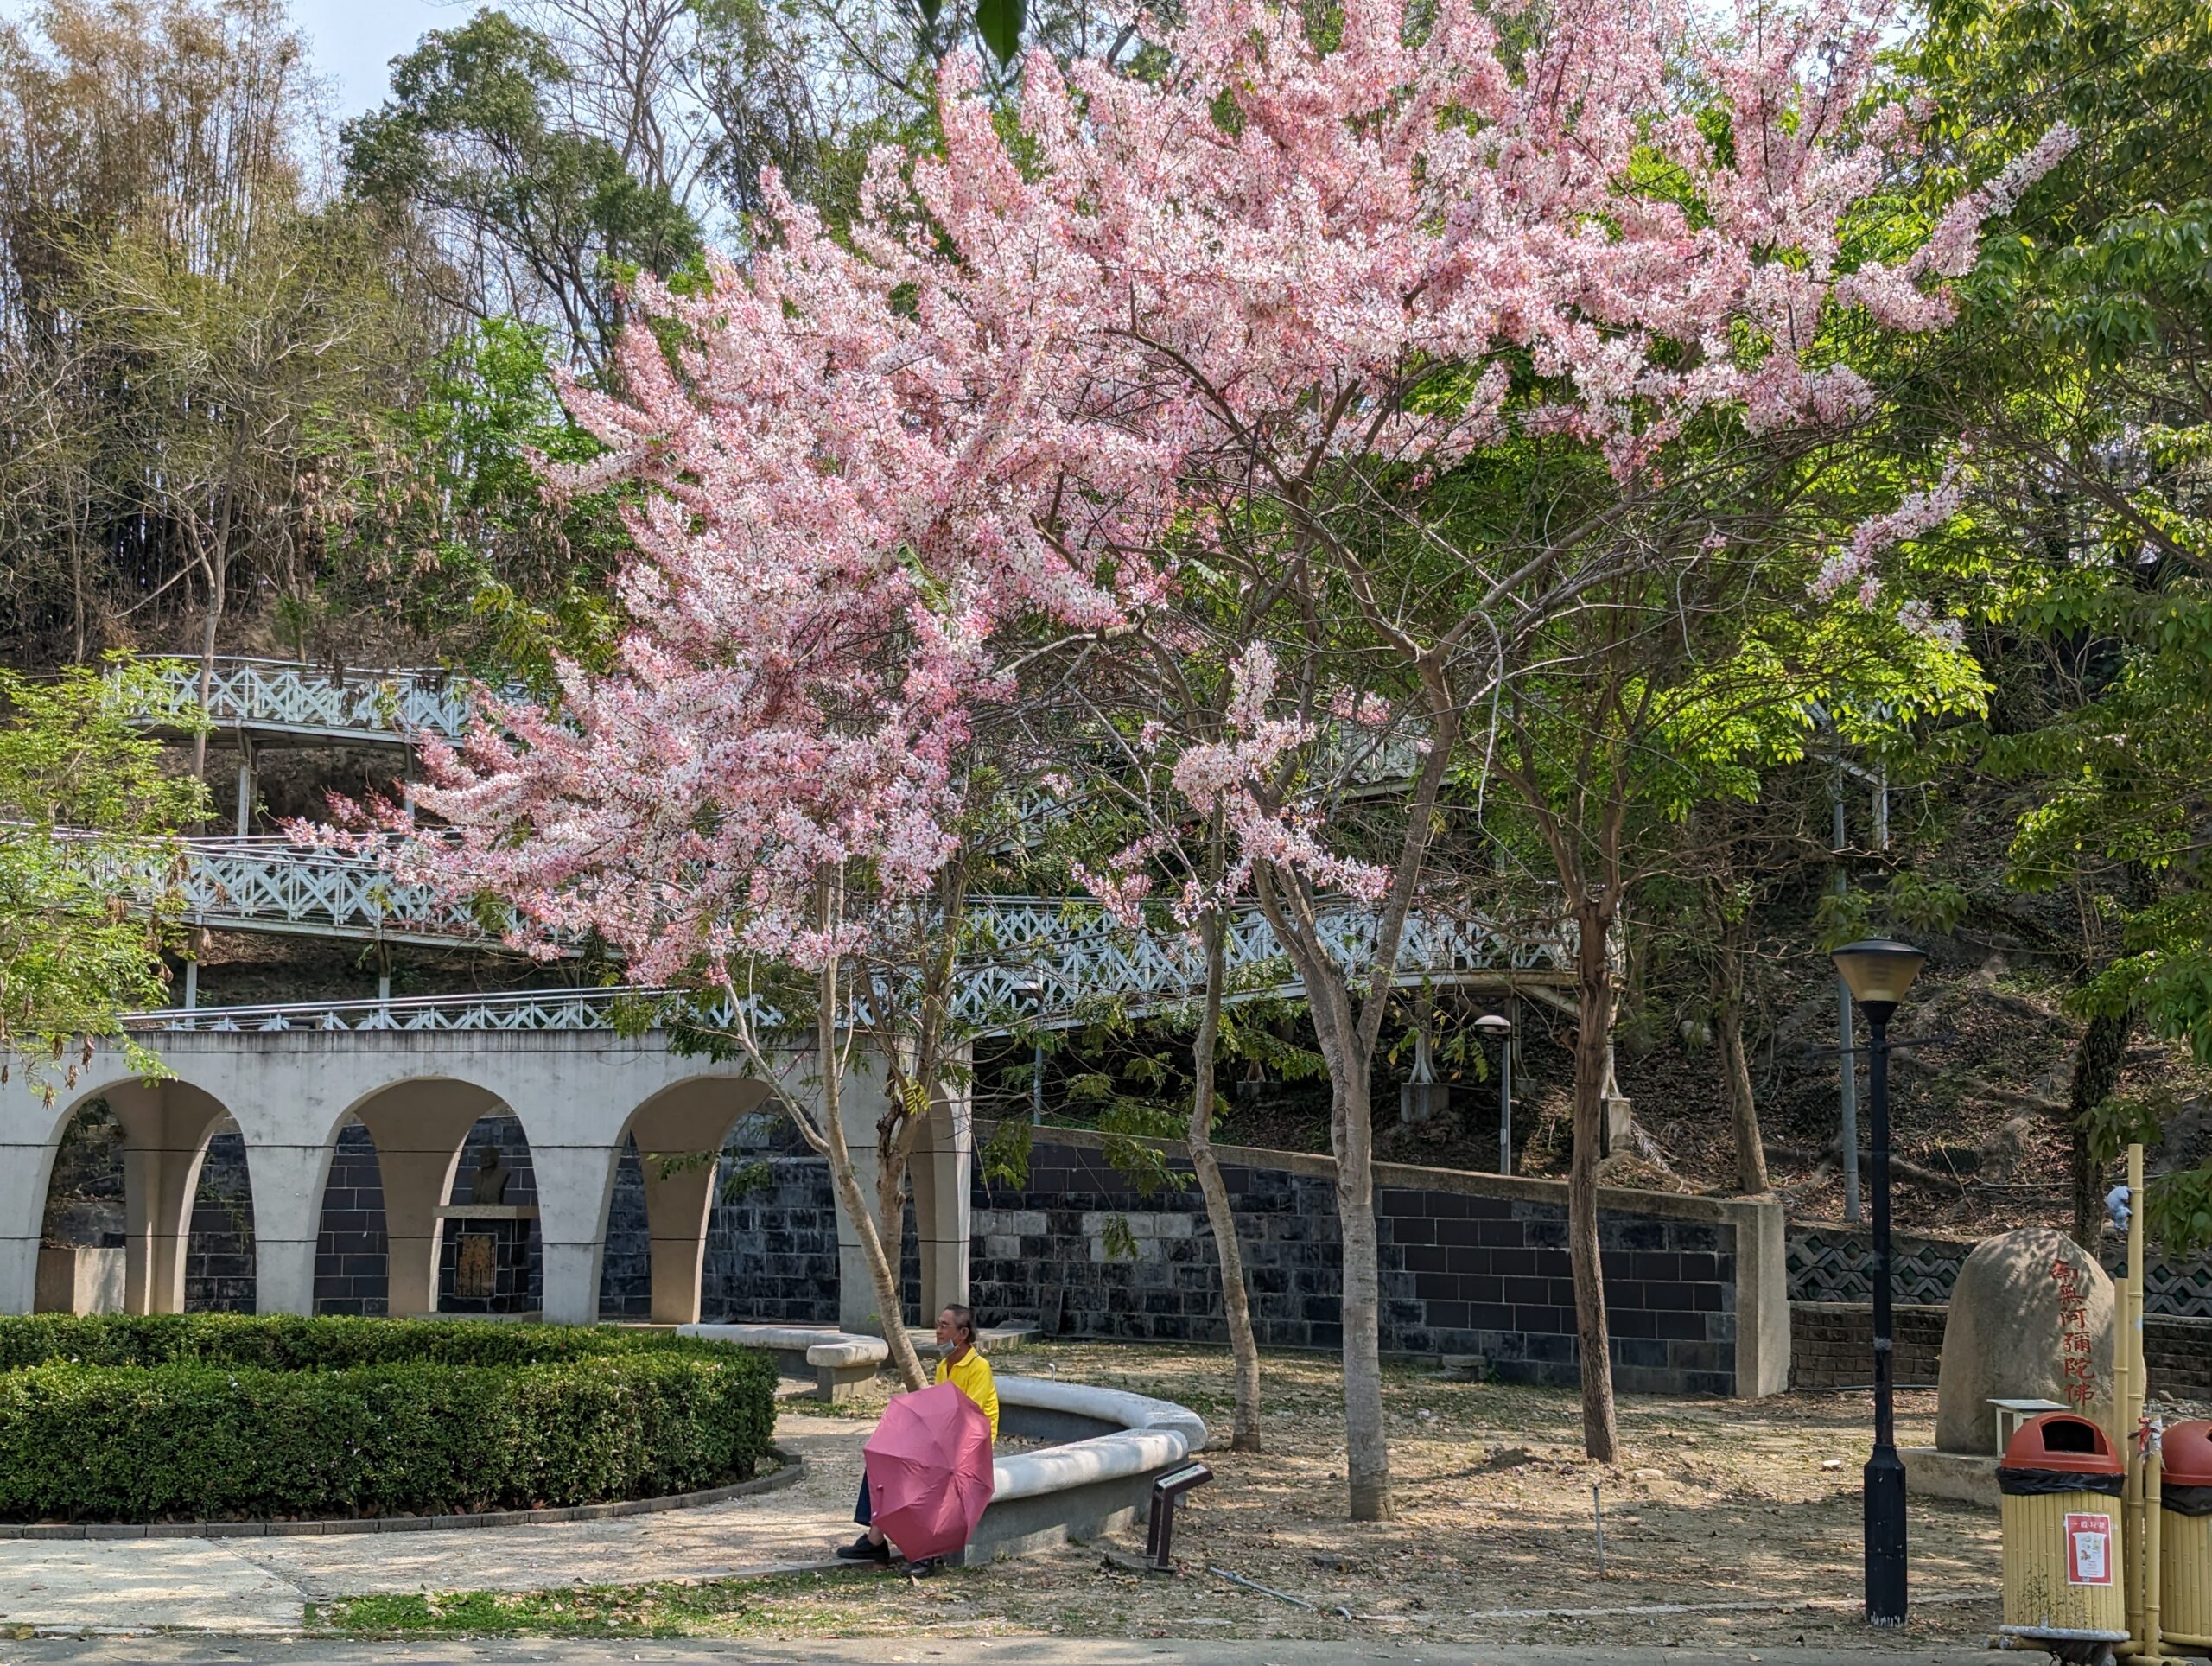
(2185, 1531)
(2059, 1486)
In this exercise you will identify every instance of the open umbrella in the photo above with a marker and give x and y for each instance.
(929, 1470)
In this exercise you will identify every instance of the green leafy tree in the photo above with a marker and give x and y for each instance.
(87, 811)
(2084, 363)
(536, 218)
(453, 535)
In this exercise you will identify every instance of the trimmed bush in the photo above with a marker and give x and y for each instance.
(210, 1416)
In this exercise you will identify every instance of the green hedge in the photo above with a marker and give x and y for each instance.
(282, 1343)
(209, 1416)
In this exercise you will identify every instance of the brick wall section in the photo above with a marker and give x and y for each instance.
(1461, 1274)
(2177, 1354)
(349, 1249)
(218, 1254)
(771, 1243)
(1832, 1345)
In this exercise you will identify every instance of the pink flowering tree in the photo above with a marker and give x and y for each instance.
(1269, 315)
(848, 500)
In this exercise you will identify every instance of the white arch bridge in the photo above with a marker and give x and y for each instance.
(417, 1075)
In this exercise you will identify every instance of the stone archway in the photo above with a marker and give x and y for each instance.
(166, 1128)
(678, 1134)
(419, 1129)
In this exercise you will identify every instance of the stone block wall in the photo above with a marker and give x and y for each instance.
(219, 1255)
(2177, 1354)
(1832, 1345)
(1470, 1265)
(349, 1249)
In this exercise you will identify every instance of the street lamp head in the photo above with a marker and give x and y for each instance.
(1878, 970)
(1494, 1025)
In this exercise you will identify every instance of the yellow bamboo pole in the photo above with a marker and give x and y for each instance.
(2129, 1344)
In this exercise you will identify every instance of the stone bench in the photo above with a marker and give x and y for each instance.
(1113, 1446)
(838, 1361)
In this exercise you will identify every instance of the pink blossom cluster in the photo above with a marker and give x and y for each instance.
(1916, 512)
(1235, 776)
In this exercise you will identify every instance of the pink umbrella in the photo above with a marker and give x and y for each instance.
(929, 1470)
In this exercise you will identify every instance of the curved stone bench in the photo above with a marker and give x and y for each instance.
(839, 1361)
(1115, 1445)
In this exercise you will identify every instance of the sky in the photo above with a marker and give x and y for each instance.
(353, 40)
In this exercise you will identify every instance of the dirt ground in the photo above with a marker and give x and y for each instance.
(1725, 1522)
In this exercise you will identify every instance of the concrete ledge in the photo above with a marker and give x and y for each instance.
(792, 1465)
(1045, 1407)
(1969, 1477)
(839, 1361)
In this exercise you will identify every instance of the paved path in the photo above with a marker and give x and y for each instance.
(947, 1651)
(261, 1585)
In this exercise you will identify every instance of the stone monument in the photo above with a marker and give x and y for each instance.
(490, 1186)
(2032, 1317)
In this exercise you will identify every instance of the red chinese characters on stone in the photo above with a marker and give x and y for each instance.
(2074, 1344)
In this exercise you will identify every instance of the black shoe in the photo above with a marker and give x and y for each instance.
(864, 1549)
(928, 1568)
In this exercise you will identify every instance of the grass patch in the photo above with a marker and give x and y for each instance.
(786, 1604)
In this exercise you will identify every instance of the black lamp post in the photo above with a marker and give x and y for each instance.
(1878, 972)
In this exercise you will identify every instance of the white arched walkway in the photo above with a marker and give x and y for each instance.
(580, 1096)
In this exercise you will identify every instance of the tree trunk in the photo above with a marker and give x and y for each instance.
(1349, 1056)
(1735, 1068)
(1367, 1448)
(829, 1139)
(216, 563)
(2096, 1075)
(1236, 1305)
(904, 1359)
(1594, 1004)
(892, 1156)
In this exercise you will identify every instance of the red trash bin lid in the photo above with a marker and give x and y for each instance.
(2065, 1441)
(2187, 1455)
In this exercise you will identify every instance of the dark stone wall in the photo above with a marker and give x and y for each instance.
(1077, 1249)
(219, 1255)
(1462, 1272)
(349, 1247)
(1832, 1345)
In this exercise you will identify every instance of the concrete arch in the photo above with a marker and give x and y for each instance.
(165, 1126)
(679, 1130)
(579, 1096)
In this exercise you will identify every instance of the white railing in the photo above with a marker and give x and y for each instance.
(272, 885)
(521, 1009)
(284, 697)
(1047, 969)
(1022, 958)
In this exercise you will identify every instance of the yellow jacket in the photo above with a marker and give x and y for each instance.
(972, 1377)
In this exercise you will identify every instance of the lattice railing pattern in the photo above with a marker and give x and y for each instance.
(1831, 1263)
(1022, 956)
(524, 1009)
(268, 884)
(397, 705)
